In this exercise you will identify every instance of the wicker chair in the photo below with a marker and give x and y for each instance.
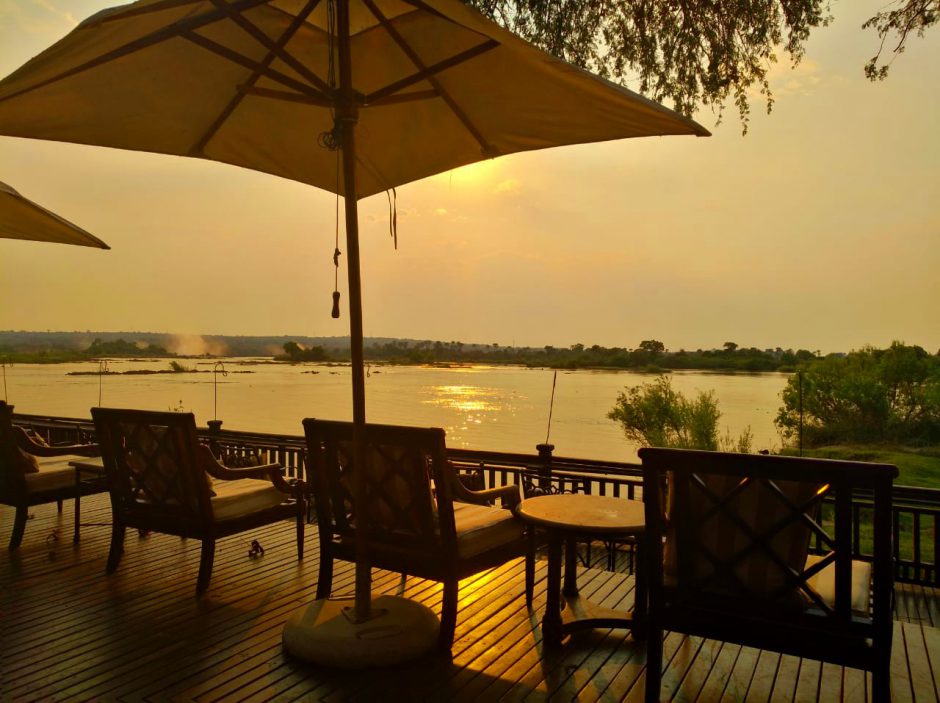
(33, 474)
(162, 479)
(423, 521)
(758, 550)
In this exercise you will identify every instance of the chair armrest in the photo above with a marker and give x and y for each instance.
(26, 443)
(510, 494)
(214, 468)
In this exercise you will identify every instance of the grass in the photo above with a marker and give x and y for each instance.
(916, 466)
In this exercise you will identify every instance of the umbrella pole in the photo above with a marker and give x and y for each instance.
(363, 567)
(327, 632)
(347, 114)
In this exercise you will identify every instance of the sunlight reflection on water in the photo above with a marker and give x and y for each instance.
(465, 398)
(497, 408)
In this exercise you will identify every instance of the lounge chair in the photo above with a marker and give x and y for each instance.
(32, 473)
(162, 479)
(423, 521)
(743, 550)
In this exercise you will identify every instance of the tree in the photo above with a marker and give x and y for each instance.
(652, 346)
(692, 53)
(730, 347)
(871, 395)
(908, 16)
(296, 353)
(655, 415)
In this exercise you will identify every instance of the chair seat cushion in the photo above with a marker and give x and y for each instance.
(54, 473)
(234, 499)
(824, 583)
(481, 528)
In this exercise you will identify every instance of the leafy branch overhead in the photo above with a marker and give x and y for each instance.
(693, 53)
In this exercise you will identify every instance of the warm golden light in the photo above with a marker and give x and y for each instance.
(464, 398)
(480, 174)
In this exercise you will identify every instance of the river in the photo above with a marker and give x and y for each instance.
(501, 408)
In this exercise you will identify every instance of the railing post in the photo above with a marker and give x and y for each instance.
(545, 465)
(215, 428)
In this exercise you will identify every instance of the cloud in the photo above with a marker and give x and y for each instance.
(801, 79)
(61, 14)
(511, 186)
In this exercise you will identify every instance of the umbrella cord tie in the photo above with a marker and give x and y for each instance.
(334, 313)
(393, 215)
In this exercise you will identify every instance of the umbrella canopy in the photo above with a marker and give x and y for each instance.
(247, 82)
(401, 89)
(21, 218)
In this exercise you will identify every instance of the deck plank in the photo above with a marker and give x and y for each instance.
(918, 664)
(68, 631)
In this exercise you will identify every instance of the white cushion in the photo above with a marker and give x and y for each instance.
(235, 499)
(824, 583)
(54, 473)
(480, 528)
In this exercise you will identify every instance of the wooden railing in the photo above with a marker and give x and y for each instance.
(915, 511)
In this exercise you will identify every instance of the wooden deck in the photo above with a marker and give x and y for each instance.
(67, 631)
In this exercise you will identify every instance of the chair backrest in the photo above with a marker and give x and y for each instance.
(408, 502)
(152, 464)
(11, 476)
(737, 528)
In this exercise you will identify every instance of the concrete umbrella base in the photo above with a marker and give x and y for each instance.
(399, 631)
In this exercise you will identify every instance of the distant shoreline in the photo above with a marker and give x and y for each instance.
(252, 361)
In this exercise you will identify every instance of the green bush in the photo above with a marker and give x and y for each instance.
(655, 415)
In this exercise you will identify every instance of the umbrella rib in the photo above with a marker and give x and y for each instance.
(245, 89)
(406, 97)
(277, 48)
(285, 95)
(429, 73)
(156, 37)
(241, 60)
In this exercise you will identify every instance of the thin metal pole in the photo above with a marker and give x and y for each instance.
(347, 113)
(800, 377)
(551, 406)
(218, 366)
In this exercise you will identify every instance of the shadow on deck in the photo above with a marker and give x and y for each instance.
(68, 631)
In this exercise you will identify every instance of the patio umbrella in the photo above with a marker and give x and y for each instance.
(354, 96)
(21, 218)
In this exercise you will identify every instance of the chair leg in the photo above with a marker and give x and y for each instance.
(205, 566)
(530, 567)
(881, 682)
(325, 577)
(117, 548)
(448, 616)
(19, 526)
(654, 663)
(58, 504)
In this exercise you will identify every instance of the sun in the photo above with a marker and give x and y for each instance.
(475, 175)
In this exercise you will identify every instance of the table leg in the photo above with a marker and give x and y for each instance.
(551, 621)
(571, 567)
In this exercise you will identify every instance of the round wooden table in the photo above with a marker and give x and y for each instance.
(568, 518)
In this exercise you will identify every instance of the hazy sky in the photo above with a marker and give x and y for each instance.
(820, 229)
